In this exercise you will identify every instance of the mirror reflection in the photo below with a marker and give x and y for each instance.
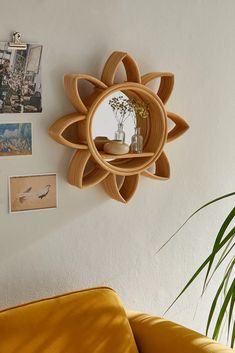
(119, 120)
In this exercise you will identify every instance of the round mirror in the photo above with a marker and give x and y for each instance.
(134, 145)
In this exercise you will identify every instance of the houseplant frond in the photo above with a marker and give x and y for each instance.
(214, 303)
(193, 214)
(223, 245)
(230, 235)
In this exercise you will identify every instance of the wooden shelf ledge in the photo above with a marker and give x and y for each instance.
(127, 155)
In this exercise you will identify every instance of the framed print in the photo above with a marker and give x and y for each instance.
(32, 192)
(15, 139)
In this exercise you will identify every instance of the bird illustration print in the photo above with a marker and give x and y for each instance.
(29, 194)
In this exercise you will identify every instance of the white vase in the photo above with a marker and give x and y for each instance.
(116, 147)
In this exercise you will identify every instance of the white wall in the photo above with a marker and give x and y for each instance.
(91, 240)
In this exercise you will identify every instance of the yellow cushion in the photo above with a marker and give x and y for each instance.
(157, 335)
(89, 321)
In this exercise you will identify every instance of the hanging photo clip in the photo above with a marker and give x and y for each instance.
(16, 42)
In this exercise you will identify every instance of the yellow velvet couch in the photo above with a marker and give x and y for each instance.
(94, 321)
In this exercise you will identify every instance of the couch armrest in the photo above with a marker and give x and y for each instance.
(156, 335)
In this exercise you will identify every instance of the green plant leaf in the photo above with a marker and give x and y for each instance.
(230, 315)
(223, 256)
(223, 310)
(233, 336)
(203, 265)
(225, 253)
(221, 232)
(220, 262)
(214, 303)
(227, 280)
(226, 244)
(193, 214)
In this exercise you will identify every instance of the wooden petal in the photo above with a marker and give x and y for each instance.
(123, 193)
(111, 66)
(180, 127)
(77, 171)
(162, 169)
(71, 87)
(58, 128)
(166, 83)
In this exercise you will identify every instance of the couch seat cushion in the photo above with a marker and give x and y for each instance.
(88, 321)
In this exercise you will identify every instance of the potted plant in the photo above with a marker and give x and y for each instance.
(222, 251)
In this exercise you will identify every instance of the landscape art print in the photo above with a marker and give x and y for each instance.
(32, 192)
(15, 139)
(20, 79)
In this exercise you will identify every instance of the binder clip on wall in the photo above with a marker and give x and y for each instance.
(16, 42)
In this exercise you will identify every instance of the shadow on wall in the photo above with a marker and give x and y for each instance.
(20, 230)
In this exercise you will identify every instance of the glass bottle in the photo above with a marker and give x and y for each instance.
(137, 141)
(120, 134)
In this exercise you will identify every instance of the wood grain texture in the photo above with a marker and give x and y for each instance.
(59, 127)
(179, 129)
(166, 83)
(89, 166)
(111, 66)
(71, 87)
(124, 156)
(162, 169)
(77, 175)
(125, 192)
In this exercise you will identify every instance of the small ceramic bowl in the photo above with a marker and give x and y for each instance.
(116, 147)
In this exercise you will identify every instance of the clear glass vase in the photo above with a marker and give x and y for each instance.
(120, 134)
(137, 141)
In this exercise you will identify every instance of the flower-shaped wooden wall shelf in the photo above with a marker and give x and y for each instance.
(89, 166)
